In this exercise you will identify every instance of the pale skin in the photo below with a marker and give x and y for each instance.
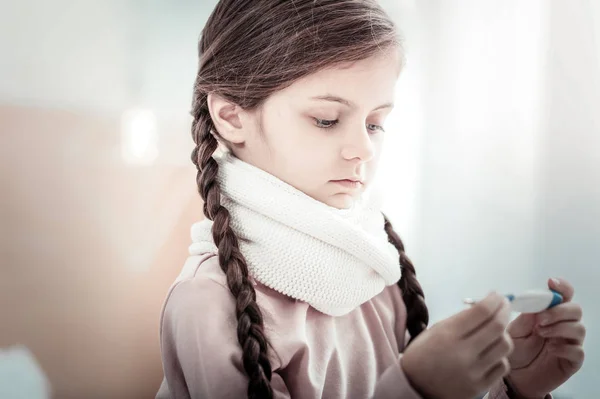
(288, 137)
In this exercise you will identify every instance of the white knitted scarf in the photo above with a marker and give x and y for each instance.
(333, 259)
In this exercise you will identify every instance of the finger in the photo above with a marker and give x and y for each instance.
(502, 347)
(563, 287)
(572, 330)
(470, 320)
(560, 341)
(499, 370)
(572, 353)
(569, 311)
(481, 339)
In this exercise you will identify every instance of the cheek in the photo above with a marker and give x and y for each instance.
(298, 159)
(304, 148)
(373, 164)
(371, 170)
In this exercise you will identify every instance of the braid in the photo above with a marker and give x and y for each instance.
(250, 333)
(417, 315)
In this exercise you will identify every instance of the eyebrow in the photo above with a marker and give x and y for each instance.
(330, 97)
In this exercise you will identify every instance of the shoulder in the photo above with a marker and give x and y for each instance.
(199, 294)
(203, 284)
(199, 304)
(203, 278)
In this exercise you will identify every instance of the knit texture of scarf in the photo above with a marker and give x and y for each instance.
(333, 259)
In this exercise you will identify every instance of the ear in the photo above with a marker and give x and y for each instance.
(227, 118)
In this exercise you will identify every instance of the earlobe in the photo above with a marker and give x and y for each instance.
(226, 117)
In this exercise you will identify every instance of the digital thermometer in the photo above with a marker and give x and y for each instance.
(532, 301)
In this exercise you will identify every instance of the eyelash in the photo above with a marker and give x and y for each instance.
(332, 123)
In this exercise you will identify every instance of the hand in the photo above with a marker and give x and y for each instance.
(462, 356)
(548, 346)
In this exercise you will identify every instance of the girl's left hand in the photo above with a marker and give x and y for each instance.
(548, 346)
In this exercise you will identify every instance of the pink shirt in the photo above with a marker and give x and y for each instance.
(314, 355)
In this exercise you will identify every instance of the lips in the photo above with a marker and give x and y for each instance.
(348, 183)
(350, 179)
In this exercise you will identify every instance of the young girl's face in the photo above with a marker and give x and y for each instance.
(325, 128)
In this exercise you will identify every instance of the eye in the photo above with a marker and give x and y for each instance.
(373, 128)
(326, 124)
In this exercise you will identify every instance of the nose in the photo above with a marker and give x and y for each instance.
(358, 145)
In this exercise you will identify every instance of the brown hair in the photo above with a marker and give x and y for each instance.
(248, 50)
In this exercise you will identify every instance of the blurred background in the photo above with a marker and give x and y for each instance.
(491, 169)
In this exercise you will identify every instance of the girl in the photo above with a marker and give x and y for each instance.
(297, 285)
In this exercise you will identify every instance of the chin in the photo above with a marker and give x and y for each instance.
(340, 201)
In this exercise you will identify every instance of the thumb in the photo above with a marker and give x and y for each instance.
(563, 287)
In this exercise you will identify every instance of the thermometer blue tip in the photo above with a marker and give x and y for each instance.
(556, 299)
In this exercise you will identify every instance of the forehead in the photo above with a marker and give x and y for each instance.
(367, 83)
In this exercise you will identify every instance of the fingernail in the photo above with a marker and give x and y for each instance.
(556, 282)
(469, 301)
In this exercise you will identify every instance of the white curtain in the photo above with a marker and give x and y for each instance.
(493, 158)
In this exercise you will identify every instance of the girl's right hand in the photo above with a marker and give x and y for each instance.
(463, 355)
